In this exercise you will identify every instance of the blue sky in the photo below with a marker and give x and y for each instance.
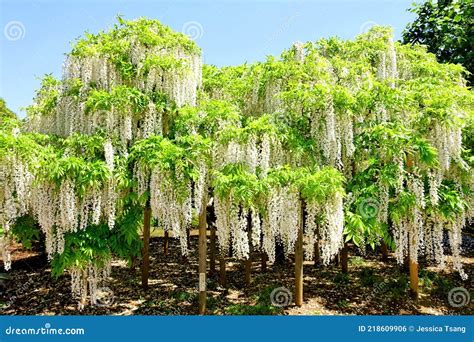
(36, 34)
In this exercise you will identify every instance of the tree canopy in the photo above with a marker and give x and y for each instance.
(446, 27)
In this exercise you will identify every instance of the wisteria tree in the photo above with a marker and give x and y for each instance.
(332, 142)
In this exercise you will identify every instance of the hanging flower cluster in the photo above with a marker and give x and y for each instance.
(257, 212)
(122, 81)
(174, 174)
(326, 96)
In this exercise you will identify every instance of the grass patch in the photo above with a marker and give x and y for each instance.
(262, 306)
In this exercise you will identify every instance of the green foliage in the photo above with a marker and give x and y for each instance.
(82, 248)
(120, 98)
(125, 241)
(6, 115)
(244, 187)
(445, 27)
(117, 44)
(26, 231)
(208, 118)
(46, 98)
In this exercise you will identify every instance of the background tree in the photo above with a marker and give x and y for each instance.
(446, 27)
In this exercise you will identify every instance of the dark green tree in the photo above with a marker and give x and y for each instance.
(446, 27)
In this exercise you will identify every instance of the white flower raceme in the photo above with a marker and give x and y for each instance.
(282, 220)
(86, 282)
(331, 237)
(15, 184)
(172, 209)
(109, 154)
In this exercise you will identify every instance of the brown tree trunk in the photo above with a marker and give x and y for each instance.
(317, 255)
(202, 256)
(166, 242)
(344, 259)
(414, 279)
(264, 261)
(299, 260)
(279, 253)
(222, 271)
(212, 250)
(146, 248)
(413, 271)
(384, 250)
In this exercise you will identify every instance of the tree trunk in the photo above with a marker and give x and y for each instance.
(344, 259)
(146, 247)
(222, 271)
(384, 250)
(299, 260)
(264, 261)
(279, 253)
(202, 256)
(414, 279)
(317, 255)
(166, 242)
(212, 250)
(413, 271)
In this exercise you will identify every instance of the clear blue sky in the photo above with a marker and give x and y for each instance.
(35, 34)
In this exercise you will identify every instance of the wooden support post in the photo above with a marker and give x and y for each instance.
(413, 270)
(146, 247)
(166, 242)
(212, 250)
(222, 271)
(202, 256)
(412, 266)
(299, 260)
(344, 259)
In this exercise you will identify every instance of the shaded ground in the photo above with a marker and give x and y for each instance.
(371, 287)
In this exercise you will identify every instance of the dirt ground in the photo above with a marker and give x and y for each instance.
(372, 287)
